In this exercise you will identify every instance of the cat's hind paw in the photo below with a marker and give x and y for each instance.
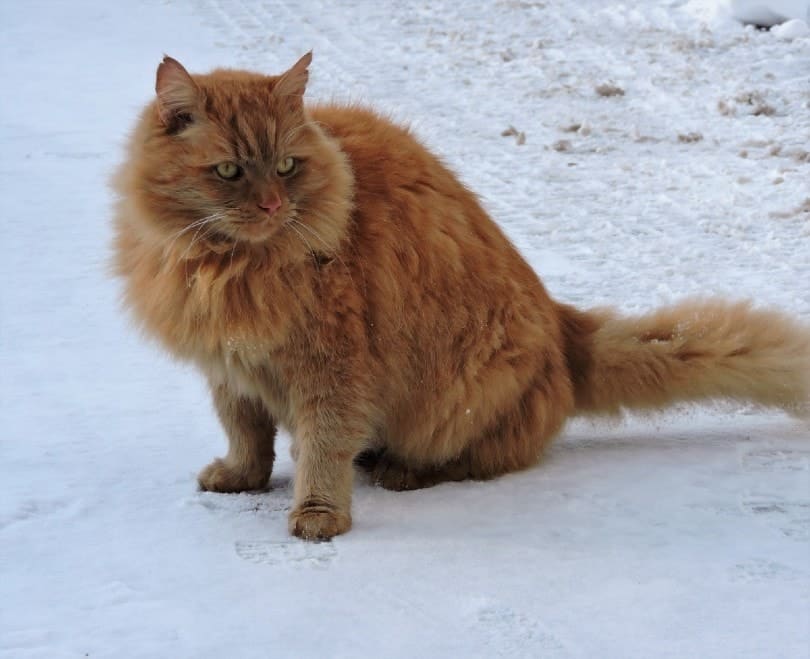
(392, 474)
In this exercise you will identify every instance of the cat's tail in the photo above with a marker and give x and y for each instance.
(696, 350)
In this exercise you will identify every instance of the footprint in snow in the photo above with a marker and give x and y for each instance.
(270, 552)
(241, 503)
(758, 570)
(35, 509)
(274, 501)
(776, 460)
(512, 634)
(791, 517)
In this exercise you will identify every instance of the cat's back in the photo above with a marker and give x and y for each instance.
(406, 200)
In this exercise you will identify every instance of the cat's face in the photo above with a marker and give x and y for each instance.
(231, 156)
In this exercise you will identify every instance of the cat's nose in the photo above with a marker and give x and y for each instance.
(271, 205)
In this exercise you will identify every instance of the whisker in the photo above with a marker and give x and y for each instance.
(233, 249)
(188, 227)
(290, 133)
(291, 224)
(204, 235)
(207, 226)
(332, 252)
(311, 230)
(194, 225)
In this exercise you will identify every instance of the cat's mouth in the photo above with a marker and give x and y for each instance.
(255, 229)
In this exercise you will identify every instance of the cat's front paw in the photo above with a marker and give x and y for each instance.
(318, 522)
(220, 476)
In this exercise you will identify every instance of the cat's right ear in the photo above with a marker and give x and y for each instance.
(293, 83)
(177, 95)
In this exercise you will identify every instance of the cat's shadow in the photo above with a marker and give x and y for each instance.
(278, 483)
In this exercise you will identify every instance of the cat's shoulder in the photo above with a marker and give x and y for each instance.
(360, 123)
(378, 147)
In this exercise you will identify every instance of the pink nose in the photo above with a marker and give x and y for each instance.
(270, 205)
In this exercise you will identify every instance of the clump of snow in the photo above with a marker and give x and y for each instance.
(792, 29)
(768, 12)
(722, 14)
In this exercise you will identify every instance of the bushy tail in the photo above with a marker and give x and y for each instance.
(697, 350)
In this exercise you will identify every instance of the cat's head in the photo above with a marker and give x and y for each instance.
(232, 157)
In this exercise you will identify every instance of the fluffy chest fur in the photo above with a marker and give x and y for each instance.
(264, 329)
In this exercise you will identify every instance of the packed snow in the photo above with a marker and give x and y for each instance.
(636, 153)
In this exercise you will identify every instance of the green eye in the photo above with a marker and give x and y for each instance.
(286, 166)
(228, 170)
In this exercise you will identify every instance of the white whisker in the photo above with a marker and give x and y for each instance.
(331, 251)
(291, 224)
(208, 228)
(233, 249)
(311, 230)
(290, 133)
(209, 219)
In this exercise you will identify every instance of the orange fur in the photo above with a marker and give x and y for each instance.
(379, 314)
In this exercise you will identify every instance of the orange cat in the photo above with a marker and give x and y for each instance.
(328, 274)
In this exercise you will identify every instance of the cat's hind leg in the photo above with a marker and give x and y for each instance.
(513, 442)
(251, 433)
(393, 473)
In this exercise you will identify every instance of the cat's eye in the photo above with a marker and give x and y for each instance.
(228, 170)
(286, 167)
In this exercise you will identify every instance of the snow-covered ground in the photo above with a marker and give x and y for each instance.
(681, 535)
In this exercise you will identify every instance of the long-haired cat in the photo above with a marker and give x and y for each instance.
(328, 274)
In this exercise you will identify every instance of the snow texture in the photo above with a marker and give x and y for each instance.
(664, 153)
(767, 12)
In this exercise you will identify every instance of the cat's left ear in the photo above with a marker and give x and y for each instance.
(177, 94)
(294, 82)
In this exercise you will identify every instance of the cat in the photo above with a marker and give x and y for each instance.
(328, 274)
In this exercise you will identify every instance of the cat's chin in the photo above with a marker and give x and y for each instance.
(254, 232)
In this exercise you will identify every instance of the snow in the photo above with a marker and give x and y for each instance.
(680, 534)
(792, 29)
(767, 12)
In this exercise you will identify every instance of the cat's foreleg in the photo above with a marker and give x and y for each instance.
(251, 433)
(324, 477)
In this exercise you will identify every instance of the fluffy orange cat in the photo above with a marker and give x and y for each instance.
(330, 275)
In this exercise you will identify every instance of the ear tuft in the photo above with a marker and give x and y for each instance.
(178, 95)
(294, 82)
